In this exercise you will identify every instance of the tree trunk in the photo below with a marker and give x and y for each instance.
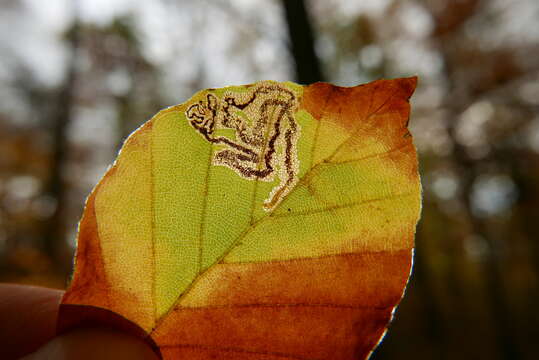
(300, 31)
(55, 232)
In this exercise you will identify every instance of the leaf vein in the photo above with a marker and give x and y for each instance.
(285, 305)
(376, 155)
(338, 207)
(237, 350)
(321, 257)
(152, 222)
(358, 128)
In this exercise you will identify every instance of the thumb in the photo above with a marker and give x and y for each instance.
(103, 344)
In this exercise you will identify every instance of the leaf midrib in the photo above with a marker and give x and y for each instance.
(252, 226)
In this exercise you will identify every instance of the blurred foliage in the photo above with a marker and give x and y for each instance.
(75, 80)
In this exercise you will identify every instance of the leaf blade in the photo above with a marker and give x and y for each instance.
(257, 198)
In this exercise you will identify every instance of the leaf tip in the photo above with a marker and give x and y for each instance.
(408, 85)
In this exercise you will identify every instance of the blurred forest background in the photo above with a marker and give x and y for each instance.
(76, 77)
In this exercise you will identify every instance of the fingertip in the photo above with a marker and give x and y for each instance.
(86, 344)
(28, 316)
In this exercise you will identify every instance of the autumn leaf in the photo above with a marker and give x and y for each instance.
(267, 221)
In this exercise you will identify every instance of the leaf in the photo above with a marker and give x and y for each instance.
(267, 221)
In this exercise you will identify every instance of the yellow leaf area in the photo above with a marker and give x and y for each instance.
(267, 221)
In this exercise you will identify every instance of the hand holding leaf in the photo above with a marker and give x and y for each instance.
(268, 221)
